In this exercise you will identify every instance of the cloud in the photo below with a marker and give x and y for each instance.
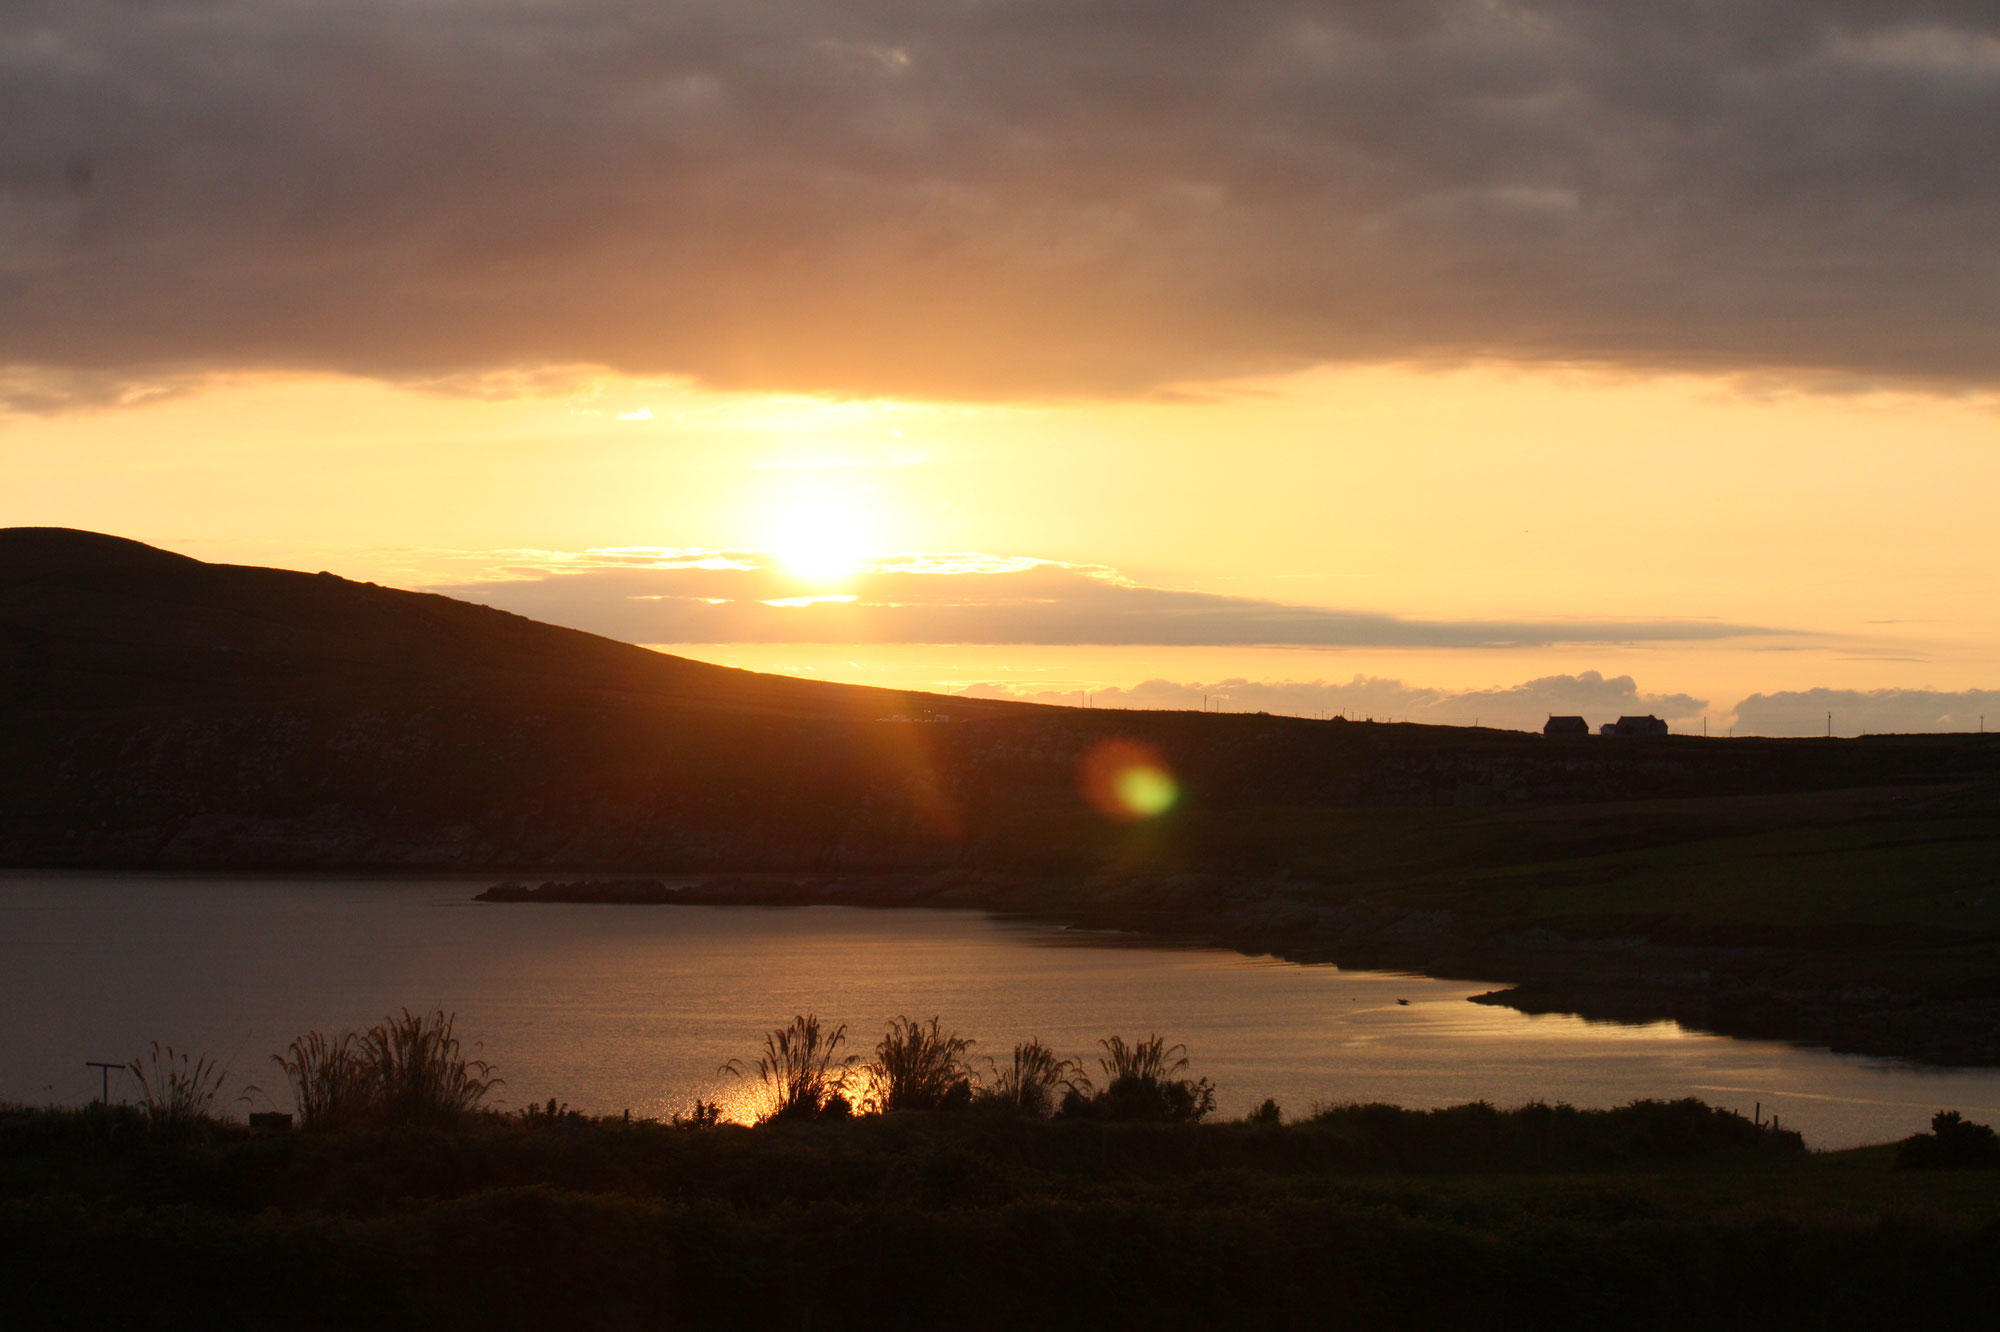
(1519, 707)
(999, 199)
(1869, 711)
(692, 596)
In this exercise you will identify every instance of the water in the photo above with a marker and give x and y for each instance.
(613, 1008)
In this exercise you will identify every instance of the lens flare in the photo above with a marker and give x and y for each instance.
(1128, 781)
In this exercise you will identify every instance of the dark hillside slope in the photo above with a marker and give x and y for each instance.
(159, 711)
(90, 622)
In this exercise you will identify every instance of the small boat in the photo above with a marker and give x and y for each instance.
(1403, 1003)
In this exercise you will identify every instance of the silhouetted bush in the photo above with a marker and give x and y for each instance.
(701, 1115)
(1954, 1143)
(1547, 1137)
(552, 1113)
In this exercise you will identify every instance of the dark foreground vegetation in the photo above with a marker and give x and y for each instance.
(1655, 1215)
(924, 1188)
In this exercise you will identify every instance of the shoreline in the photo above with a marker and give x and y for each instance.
(1732, 988)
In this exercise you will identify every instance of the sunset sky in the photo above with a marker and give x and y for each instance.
(1440, 359)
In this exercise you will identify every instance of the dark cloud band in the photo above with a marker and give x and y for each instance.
(1014, 197)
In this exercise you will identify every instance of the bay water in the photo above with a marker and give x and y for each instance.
(615, 1008)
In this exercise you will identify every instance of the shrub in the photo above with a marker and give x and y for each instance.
(801, 1071)
(918, 1066)
(1538, 1136)
(176, 1091)
(1144, 1083)
(1954, 1143)
(702, 1115)
(1030, 1082)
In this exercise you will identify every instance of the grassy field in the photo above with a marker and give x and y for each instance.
(1795, 861)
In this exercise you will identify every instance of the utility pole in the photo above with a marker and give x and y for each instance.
(104, 1097)
(1829, 726)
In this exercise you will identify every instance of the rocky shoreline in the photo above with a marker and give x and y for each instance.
(1749, 989)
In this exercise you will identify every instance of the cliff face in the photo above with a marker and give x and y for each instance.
(157, 711)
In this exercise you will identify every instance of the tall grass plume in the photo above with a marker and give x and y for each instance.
(801, 1071)
(331, 1083)
(920, 1066)
(175, 1089)
(1145, 1082)
(421, 1076)
(407, 1069)
(1034, 1080)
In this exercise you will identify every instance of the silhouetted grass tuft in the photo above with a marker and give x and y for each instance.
(919, 1066)
(1145, 1084)
(1030, 1082)
(403, 1070)
(331, 1083)
(420, 1075)
(802, 1072)
(176, 1091)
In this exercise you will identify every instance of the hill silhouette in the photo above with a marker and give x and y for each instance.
(162, 711)
(94, 621)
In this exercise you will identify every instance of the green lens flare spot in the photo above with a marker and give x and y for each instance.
(1147, 792)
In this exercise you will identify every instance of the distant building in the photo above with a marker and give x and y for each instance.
(1634, 726)
(1566, 726)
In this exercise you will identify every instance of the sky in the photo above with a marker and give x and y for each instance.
(1444, 359)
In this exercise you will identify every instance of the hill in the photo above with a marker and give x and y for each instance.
(161, 711)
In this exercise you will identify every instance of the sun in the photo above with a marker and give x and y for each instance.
(822, 539)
